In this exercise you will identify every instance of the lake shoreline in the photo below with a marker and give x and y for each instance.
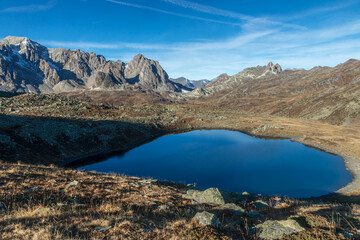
(351, 163)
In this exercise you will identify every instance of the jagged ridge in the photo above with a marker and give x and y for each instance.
(27, 66)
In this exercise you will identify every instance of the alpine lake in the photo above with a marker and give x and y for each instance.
(233, 161)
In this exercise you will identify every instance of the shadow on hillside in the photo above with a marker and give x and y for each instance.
(9, 94)
(47, 140)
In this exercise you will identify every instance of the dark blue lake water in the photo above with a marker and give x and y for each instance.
(233, 161)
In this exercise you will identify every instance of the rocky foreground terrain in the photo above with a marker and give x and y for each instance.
(42, 202)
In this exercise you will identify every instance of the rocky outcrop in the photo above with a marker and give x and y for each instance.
(26, 66)
(275, 69)
(233, 207)
(210, 195)
(147, 73)
(207, 219)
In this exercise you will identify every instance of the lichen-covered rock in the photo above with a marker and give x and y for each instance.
(273, 229)
(232, 206)
(207, 219)
(210, 195)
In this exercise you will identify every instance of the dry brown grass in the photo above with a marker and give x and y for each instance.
(38, 203)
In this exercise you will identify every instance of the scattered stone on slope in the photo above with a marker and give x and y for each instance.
(232, 206)
(207, 219)
(210, 195)
(73, 183)
(273, 229)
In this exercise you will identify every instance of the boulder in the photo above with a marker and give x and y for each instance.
(273, 229)
(210, 195)
(207, 219)
(232, 206)
(73, 183)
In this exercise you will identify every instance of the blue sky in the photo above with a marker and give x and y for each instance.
(194, 38)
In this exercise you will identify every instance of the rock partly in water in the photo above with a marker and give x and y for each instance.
(207, 219)
(232, 206)
(210, 195)
(273, 229)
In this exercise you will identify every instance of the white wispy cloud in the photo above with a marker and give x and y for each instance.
(29, 8)
(210, 9)
(172, 13)
(251, 21)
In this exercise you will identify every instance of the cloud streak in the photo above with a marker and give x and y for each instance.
(172, 13)
(29, 8)
(230, 14)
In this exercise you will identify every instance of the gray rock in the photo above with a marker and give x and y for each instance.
(273, 229)
(73, 183)
(232, 206)
(210, 195)
(207, 219)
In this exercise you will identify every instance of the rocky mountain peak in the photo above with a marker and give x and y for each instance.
(28, 49)
(147, 73)
(273, 68)
(27, 66)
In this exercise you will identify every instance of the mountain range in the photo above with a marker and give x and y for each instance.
(330, 94)
(27, 66)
